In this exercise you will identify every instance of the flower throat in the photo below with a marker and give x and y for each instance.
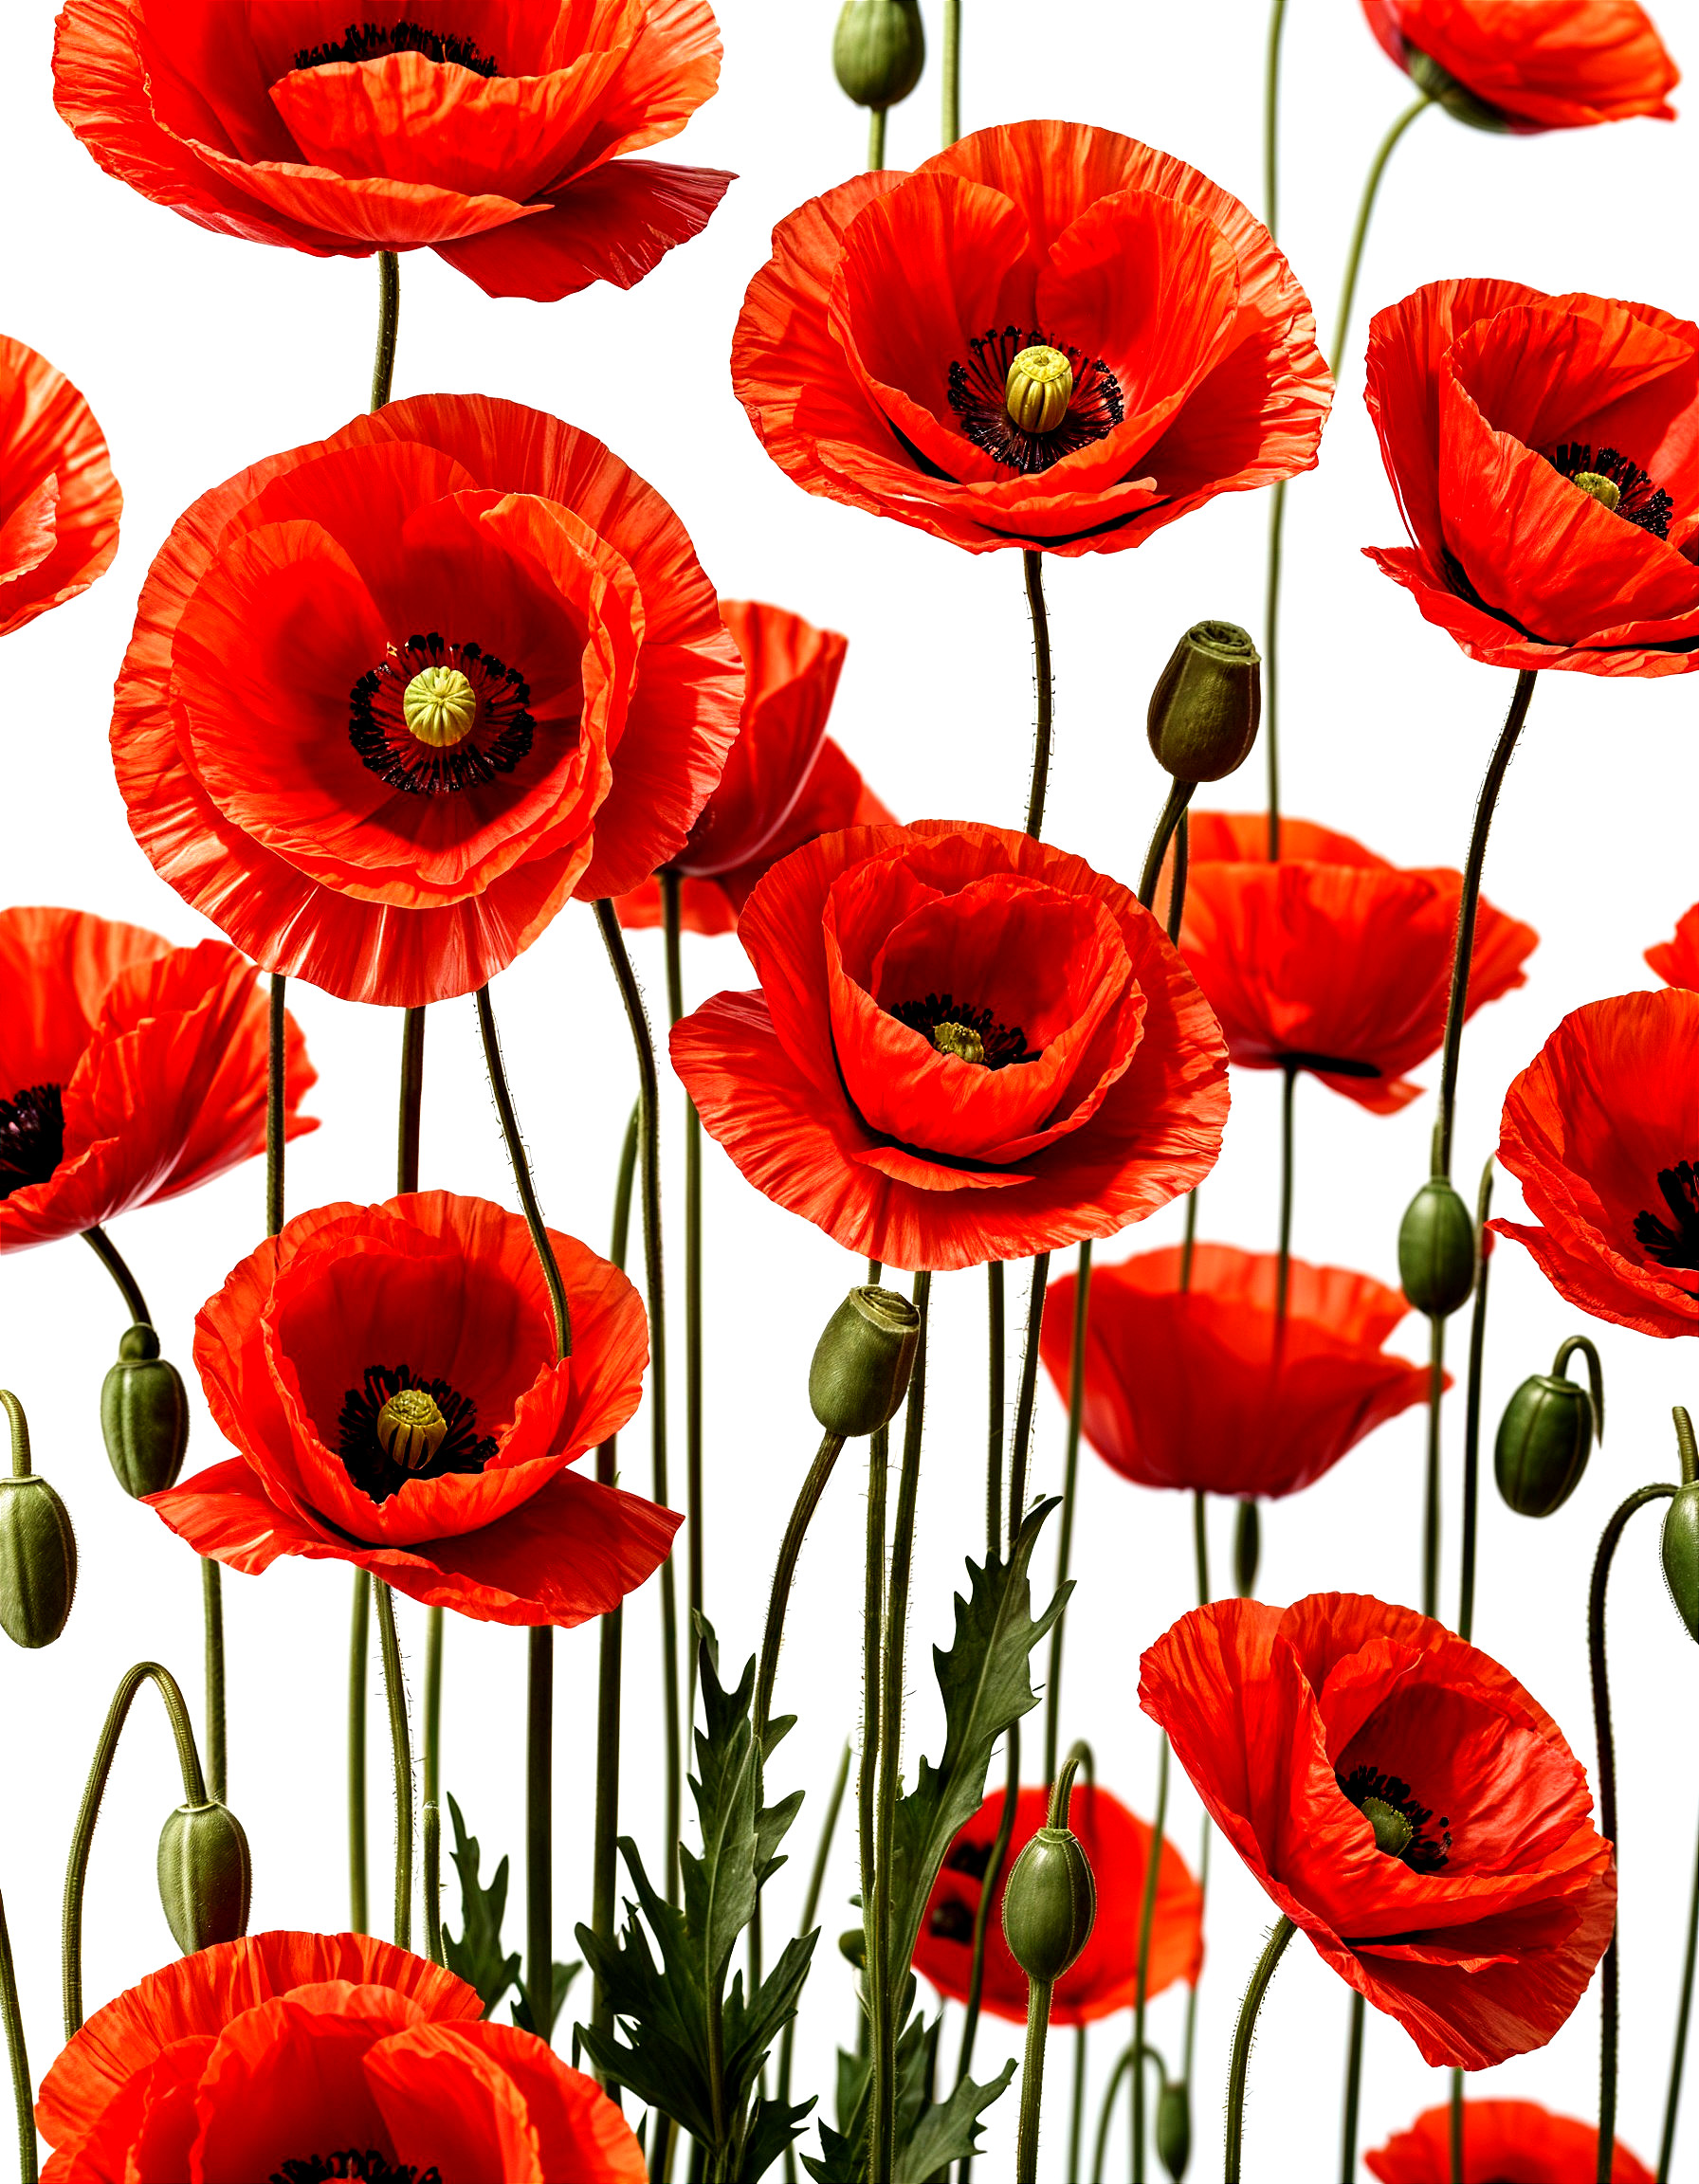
(32, 1136)
(373, 40)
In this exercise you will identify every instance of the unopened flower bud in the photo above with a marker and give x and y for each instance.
(1436, 1250)
(1545, 1435)
(206, 1876)
(1207, 705)
(1050, 1905)
(879, 50)
(1174, 2128)
(1445, 90)
(862, 1363)
(144, 1415)
(38, 1549)
(1681, 1555)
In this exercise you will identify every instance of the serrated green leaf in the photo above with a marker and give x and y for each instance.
(949, 2130)
(476, 1955)
(775, 2125)
(835, 2161)
(525, 2009)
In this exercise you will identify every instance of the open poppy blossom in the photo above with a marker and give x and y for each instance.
(1503, 2142)
(785, 780)
(1181, 1387)
(389, 1375)
(1544, 451)
(966, 1046)
(1329, 959)
(1047, 335)
(489, 133)
(1404, 1802)
(58, 502)
(393, 698)
(1558, 64)
(130, 1070)
(1676, 960)
(305, 2056)
(1104, 1976)
(1602, 1130)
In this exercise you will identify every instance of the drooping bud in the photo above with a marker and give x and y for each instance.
(1546, 1433)
(1038, 388)
(862, 1362)
(1445, 90)
(38, 1549)
(1174, 2128)
(1436, 1250)
(1208, 704)
(1050, 1905)
(144, 1415)
(1681, 1555)
(1246, 1549)
(878, 50)
(206, 1876)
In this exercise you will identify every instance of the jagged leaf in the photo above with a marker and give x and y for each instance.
(775, 2125)
(836, 2162)
(524, 2010)
(949, 2130)
(476, 1955)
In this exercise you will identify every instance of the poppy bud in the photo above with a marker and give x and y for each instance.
(1207, 705)
(862, 1362)
(144, 1415)
(1445, 90)
(1681, 1555)
(1545, 1435)
(878, 50)
(38, 1549)
(206, 1876)
(1050, 1905)
(1436, 1250)
(1174, 2128)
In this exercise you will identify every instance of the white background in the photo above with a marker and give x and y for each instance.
(200, 353)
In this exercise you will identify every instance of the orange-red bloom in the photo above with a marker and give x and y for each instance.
(1180, 1386)
(1503, 2142)
(393, 698)
(1544, 451)
(1330, 958)
(874, 345)
(1552, 65)
(58, 502)
(495, 142)
(315, 2056)
(1676, 960)
(1602, 1130)
(1404, 1802)
(785, 780)
(966, 1046)
(389, 1375)
(1104, 1977)
(129, 1070)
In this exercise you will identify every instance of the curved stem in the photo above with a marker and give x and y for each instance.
(1371, 189)
(402, 1760)
(212, 1651)
(17, 2056)
(1076, 1397)
(1348, 2137)
(1431, 1489)
(952, 71)
(808, 1501)
(1271, 118)
(521, 1173)
(388, 326)
(1173, 811)
(695, 1596)
(1472, 1418)
(107, 1253)
(810, 1905)
(360, 1641)
(275, 1131)
(1032, 2080)
(1033, 564)
(996, 1396)
(1124, 2061)
(876, 141)
(1026, 1400)
(539, 1826)
(1147, 1910)
(1678, 2055)
(1177, 908)
(988, 1896)
(1271, 1957)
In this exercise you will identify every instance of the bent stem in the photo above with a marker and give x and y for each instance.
(17, 2056)
(1471, 1422)
(1076, 1396)
(1148, 1911)
(1683, 2013)
(1026, 1401)
(1371, 189)
(1033, 564)
(401, 1759)
(1284, 1930)
(784, 1572)
(106, 1251)
(695, 1594)
(811, 1904)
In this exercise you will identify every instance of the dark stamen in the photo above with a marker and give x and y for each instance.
(369, 1463)
(1003, 1043)
(32, 1136)
(1421, 1852)
(501, 739)
(952, 1920)
(979, 397)
(973, 1859)
(1642, 503)
(1677, 1247)
(362, 2166)
(371, 41)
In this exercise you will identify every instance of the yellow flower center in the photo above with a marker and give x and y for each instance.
(1604, 490)
(440, 707)
(410, 1428)
(1038, 390)
(961, 1039)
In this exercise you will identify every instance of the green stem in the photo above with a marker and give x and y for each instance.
(952, 71)
(790, 1551)
(107, 1253)
(1472, 1421)
(1124, 2061)
(1364, 212)
(1282, 1270)
(997, 1394)
(1177, 904)
(539, 1825)
(810, 1905)
(1033, 563)
(1348, 2137)
(401, 1759)
(411, 1101)
(521, 1174)
(17, 2056)
(1148, 1911)
(1173, 811)
(389, 325)
(1200, 1544)
(876, 139)
(358, 1650)
(1684, 2013)
(1284, 1930)
(432, 1830)
(1271, 655)
(1457, 2129)
(1076, 1397)
(988, 1897)
(1431, 1492)
(693, 1364)
(1032, 2080)
(867, 1787)
(1076, 2107)
(1271, 118)
(213, 1648)
(275, 1132)
(1026, 1401)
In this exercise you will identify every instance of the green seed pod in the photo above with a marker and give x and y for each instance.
(862, 1362)
(1207, 705)
(144, 1415)
(206, 1876)
(1681, 1555)
(38, 1561)
(878, 50)
(1547, 1433)
(1050, 1905)
(1173, 2129)
(1445, 90)
(1436, 1250)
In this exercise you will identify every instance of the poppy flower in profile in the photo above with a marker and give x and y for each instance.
(1544, 451)
(494, 140)
(1047, 335)
(1602, 1130)
(785, 780)
(130, 1070)
(1503, 2142)
(299, 2056)
(1676, 960)
(1329, 959)
(393, 698)
(1181, 1387)
(966, 1046)
(1404, 1802)
(388, 1377)
(58, 502)
(1555, 64)
(1104, 1976)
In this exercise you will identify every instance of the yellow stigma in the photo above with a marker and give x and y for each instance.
(961, 1039)
(410, 1428)
(1604, 490)
(440, 707)
(1038, 388)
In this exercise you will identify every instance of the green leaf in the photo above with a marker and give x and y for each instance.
(476, 1955)
(524, 2009)
(949, 2130)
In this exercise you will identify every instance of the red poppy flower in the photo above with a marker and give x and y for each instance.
(58, 502)
(493, 141)
(1331, 958)
(1602, 1130)
(1106, 1975)
(1544, 451)
(129, 1070)
(1404, 1802)
(308, 2055)
(1167, 352)
(1552, 65)
(785, 781)
(393, 698)
(966, 1046)
(1503, 2142)
(1180, 1388)
(388, 1376)
(1676, 960)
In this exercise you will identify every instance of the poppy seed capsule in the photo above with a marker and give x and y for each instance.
(1681, 1555)
(440, 707)
(1436, 1250)
(206, 1876)
(1038, 388)
(410, 1428)
(1545, 1439)
(878, 50)
(144, 1415)
(1208, 704)
(862, 1362)
(1174, 2128)
(1050, 1905)
(38, 1561)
